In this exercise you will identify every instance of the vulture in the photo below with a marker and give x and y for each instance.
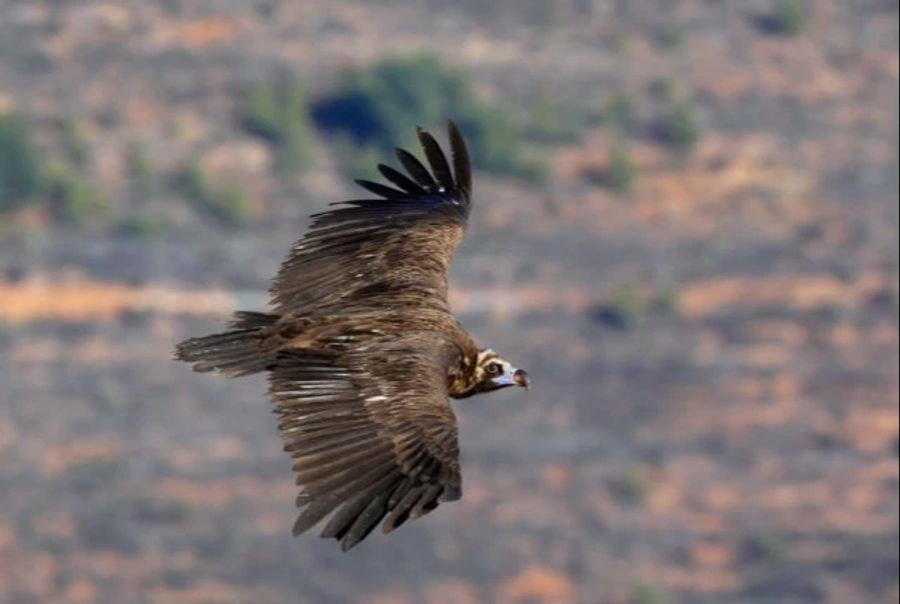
(363, 352)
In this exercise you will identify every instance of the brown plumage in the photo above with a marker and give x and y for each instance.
(363, 352)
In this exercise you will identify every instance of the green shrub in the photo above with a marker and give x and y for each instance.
(380, 106)
(225, 202)
(665, 301)
(139, 168)
(142, 227)
(628, 307)
(232, 205)
(73, 140)
(673, 36)
(617, 112)
(194, 183)
(788, 17)
(630, 487)
(620, 174)
(766, 547)
(679, 127)
(665, 90)
(277, 112)
(21, 172)
(623, 310)
(550, 123)
(73, 200)
(647, 593)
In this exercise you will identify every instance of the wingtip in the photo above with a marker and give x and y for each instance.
(462, 165)
(422, 134)
(297, 530)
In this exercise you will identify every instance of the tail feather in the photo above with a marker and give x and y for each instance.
(233, 353)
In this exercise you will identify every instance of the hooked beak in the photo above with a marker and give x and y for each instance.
(513, 377)
(520, 377)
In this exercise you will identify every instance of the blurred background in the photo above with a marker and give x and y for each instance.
(685, 229)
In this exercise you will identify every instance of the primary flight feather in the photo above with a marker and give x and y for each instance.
(363, 352)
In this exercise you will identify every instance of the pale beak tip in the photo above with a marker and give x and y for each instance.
(521, 378)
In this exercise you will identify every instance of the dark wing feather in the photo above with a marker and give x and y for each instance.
(386, 248)
(401, 180)
(380, 189)
(462, 166)
(436, 159)
(371, 433)
(415, 168)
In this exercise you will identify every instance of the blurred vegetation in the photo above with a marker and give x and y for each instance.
(142, 227)
(679, 127)
(225, 202)
(623, 310)
(372, 111)
(378, 107)
(627, 306)
(647, 593)
(664, 301)
(73, 199)
(629, 488)
(62, 187)
(621, 173)
(788, 17)
(617, 42)
(617, 112)
(356, 161)
(278, 113)
(550, 123)
(21, 177)
(765, 548)
(140, 170)
(672, 36)
(76, 148)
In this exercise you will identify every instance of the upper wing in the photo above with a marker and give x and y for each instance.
(402, 241)
(372, 435)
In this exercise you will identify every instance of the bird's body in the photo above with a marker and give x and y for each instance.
(363, 351)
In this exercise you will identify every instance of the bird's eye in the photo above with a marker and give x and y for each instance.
(493, 368)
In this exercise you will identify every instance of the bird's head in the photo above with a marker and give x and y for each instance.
(493, 372)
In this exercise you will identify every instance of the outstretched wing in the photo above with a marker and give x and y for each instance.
(402, 241)
(372, 435)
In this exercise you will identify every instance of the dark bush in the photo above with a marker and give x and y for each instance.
(379, 107)
(766, 547)
(647, 593)
(679, 127)
(620, 174)
(21, 174)
(72, 198)
(623, 310)
(673, 36)
(627, 307)
(788, 18)
(74, 142)
(549, 122)
(139, 169)
(277, 112)
(617, 112)
(225, 202)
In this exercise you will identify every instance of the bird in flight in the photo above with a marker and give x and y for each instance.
(363, 352)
